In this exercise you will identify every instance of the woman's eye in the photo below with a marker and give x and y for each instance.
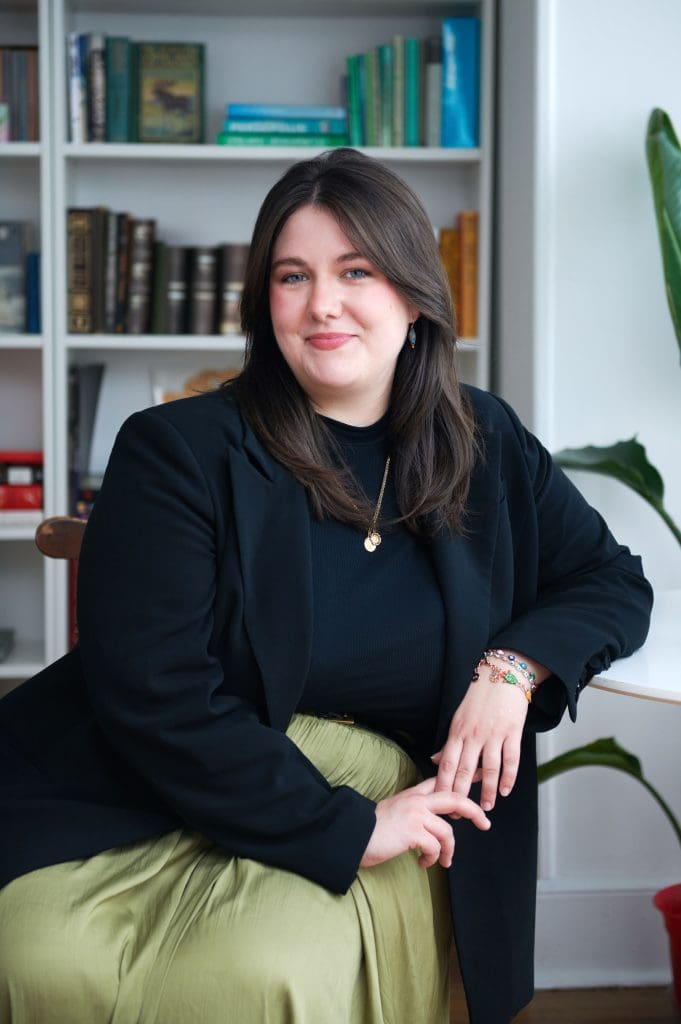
(292, 278)
(356, 273)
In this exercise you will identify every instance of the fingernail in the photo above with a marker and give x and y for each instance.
(505, 790)
(487, 806)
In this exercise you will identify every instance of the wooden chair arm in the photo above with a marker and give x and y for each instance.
(60, 536)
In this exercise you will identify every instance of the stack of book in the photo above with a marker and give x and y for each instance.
(257, 124)
(123, 91)
(122, 280)
(19, 279)
(19, 111)
(459, 252)
(418, 92)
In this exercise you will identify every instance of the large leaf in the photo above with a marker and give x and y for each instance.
(664, 164)
(605, 753)
(626, 461)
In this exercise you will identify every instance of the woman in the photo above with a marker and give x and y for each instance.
(295, 595)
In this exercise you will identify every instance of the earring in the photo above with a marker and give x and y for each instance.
(411, 337)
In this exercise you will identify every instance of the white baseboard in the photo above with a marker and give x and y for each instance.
(592, 937)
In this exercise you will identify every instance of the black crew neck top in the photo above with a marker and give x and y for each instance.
(378, 618)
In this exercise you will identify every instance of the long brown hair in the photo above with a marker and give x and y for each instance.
(432, 433)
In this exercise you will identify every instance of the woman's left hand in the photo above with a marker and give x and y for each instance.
(484, 740)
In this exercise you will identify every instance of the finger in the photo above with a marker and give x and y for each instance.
(430, 849)
(511, 762)
(427, 786)
(468, 766)
(477, 775)
(444, 834)
(453, 803)
(491, 766)
(449, 762)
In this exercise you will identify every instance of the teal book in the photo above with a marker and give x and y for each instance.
(278, 139)
(460, 81)
(118, 63)
(385, 78)
(398, 90)
(412, 92)
(287, 126)
(355, 125)
(372, 108)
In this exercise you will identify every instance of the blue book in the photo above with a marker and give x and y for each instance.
(286, 126)
(460, 82)
(273, 111)
(33, 293)
(118, 64)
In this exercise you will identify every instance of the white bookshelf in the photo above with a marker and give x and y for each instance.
(209, 194)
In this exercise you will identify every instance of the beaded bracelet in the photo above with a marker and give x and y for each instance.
(498, 675)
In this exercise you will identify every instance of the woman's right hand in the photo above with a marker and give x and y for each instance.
(410, 820)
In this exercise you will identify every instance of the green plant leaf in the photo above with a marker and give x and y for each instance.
(605, 753)
(664, 164)
(625, 461)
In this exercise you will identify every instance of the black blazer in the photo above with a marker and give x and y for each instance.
(195, 611)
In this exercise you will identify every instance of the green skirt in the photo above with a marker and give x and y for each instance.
(173, 930)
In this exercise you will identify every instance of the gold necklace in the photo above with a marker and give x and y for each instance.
(373, 537)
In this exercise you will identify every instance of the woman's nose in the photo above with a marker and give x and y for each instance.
(324, 300)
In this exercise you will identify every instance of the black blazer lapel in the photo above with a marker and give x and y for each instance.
(464, 569)
(272, 522)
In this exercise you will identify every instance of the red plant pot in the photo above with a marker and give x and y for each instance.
(669, 902)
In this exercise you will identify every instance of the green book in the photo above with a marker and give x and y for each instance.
(355, 125)
(412, 92)
(118, 64)
(280, 139)
(169, 92)
(372, 109)
(386, 75)
(398, 90)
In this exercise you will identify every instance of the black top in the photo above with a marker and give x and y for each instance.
(378, 618)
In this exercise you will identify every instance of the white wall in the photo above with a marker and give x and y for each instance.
(588, 355)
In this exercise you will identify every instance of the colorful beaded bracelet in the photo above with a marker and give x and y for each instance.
(515, 662)
(498, 675)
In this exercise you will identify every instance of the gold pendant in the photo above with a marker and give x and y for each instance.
(372, 540)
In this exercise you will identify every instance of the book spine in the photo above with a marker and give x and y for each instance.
(373, 99)
(110, 270)
(176, 289)
(118, 61)
(158, 289)
(234, 139)
(412, 102)
(232, 261)
(138, 316)
(356, 132)
(433, 92)
(20, 91)
(79, 271)
(460, 81)
(385, 78)
(96, 79)
(33, 98)
(398, 90)
(77, 90)
(450, 254)
(13, 245)
(122, 264)
(202, 290)
(99, 245)
(33, 317)
(468, 301)
(312, 126)
(275, 111)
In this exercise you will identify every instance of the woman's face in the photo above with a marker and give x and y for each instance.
(339, 323)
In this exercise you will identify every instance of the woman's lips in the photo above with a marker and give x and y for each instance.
(325, 342)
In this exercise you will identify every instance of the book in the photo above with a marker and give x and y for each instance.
(123, 235)
(138, 311)
(412, 98)
(203, 290)
(110, 272)
(169, 291)
(398, 90)
(79, 289)
(21, 480)
(169, 97)
(84, 387)
(385, 80)
(432, 87)
(118, 64)
(460, 81)
(96, 88)
(274, 111)
(6, 643)
(278, 139)
(4, 122)
(77, 87)
(232, 259)
(33, 309)
(467, 223)
(287, 126)
(100, 223)
(14, 241)
(355, 125)
(450, 254)
(19, 93)
(372, 99)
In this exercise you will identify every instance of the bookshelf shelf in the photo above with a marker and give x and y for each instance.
(23, 341)
(189, 343)
(249, 154)
(20, 150)
(17, 533)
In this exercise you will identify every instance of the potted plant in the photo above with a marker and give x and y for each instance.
(626, 461)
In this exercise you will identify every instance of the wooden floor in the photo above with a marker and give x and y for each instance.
(588, 1006)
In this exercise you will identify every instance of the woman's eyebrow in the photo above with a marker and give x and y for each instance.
(296, 261)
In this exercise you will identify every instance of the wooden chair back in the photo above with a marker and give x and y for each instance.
(60, 537)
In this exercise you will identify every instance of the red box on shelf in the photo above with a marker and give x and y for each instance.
(21, 480)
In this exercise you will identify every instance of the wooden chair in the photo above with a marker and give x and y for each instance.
(60, 537)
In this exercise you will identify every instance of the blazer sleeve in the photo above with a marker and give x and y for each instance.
(582, 599)
(146, 597)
